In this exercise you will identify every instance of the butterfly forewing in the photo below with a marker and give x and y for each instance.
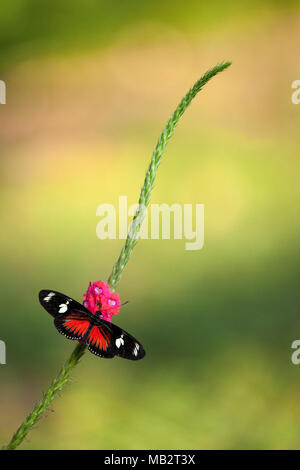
(56, 303)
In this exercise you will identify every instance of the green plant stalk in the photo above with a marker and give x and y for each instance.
(115, 276)
(48, 397)
(147, 187)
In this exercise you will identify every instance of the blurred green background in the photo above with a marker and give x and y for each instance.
(90, 85)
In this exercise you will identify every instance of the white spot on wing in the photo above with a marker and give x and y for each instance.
(63, 308)
(119, 341)
(46, 299)
(136, 349)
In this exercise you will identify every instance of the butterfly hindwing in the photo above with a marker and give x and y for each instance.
(99, 342)
(74, 325)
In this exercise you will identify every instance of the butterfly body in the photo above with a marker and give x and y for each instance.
(76, 322)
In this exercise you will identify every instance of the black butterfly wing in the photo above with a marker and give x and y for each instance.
(108, 340)
(60, 304)
(71, 318)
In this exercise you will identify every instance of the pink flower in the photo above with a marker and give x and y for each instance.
(99, 298)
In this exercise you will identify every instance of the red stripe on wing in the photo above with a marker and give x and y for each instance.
(75, 326)
(99, 338)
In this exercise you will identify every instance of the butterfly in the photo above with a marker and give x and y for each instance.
(76, 322)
